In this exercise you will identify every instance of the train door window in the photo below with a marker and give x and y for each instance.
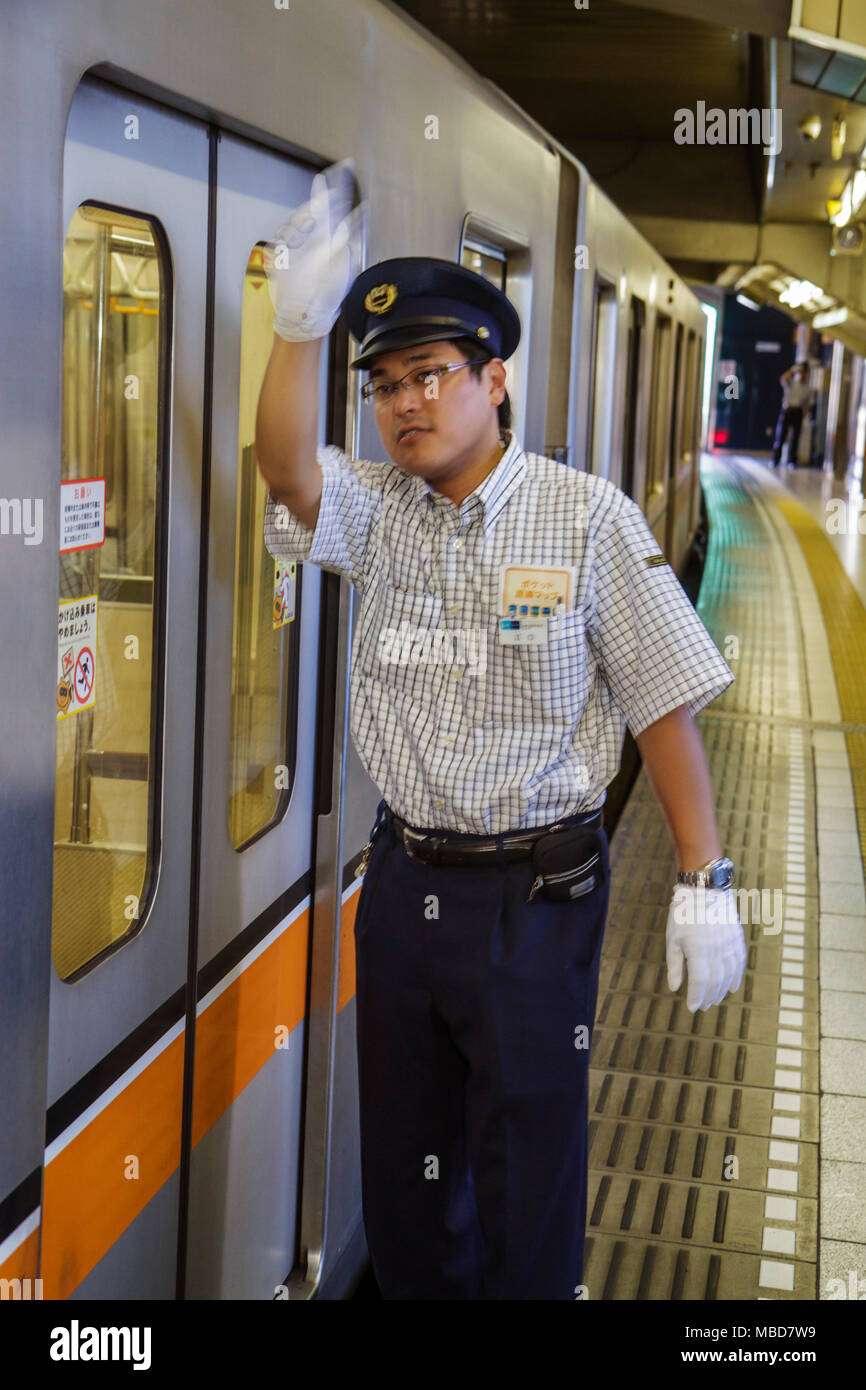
(266, 609)
(485, 260)
(674, 443)
(687, 450)
(636, 320)
(503, 258)
(676, 406)
(658, 406)
(603, 377)
(697, 415)
(109, 667)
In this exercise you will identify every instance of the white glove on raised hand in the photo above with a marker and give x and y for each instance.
(314, 257)
(704, 930)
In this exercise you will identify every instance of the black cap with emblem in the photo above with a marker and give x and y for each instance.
(417, 299)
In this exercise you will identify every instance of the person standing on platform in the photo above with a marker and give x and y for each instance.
(514, 615)
(796, 398)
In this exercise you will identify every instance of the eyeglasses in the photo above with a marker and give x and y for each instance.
(382, 391)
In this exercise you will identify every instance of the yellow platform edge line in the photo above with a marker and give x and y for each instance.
(845, 622)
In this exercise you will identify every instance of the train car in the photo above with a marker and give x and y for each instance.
(182, 821)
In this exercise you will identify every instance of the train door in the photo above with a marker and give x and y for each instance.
(135, 209)
(260, 714)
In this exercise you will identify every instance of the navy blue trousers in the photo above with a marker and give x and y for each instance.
(790, 418)
(474, 1013)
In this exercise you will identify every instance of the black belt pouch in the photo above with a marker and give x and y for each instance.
(569, 864)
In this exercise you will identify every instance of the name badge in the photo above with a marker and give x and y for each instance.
(523, 632)
(529, 597)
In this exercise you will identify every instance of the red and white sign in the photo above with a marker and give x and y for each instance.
(85, 671)
(82, 514)
(76, 654)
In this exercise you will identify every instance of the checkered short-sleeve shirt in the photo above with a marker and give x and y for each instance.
(457, 730)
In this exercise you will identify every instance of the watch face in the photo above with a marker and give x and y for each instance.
(722, 875)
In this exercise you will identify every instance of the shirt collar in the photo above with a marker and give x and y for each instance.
(493, 493)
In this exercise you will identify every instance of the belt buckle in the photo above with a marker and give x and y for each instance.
(410, 837)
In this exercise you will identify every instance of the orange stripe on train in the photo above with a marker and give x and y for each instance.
(24, 1260)
(89, 1202)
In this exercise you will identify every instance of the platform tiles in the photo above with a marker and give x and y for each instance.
(715, 1155)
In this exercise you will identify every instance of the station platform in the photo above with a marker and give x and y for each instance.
(728, 1148)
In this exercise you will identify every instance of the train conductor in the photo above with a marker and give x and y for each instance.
(515, 615)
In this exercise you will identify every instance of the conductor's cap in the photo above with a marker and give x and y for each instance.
(416, 299)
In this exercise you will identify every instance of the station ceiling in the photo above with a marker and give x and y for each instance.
(606, 80)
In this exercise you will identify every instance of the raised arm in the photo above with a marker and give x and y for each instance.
(287, 427)
(311, 262)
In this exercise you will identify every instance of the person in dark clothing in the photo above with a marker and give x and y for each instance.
(796, 399)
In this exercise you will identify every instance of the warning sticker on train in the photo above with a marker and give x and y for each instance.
(76, 654)
(284, 592)
(82, 514)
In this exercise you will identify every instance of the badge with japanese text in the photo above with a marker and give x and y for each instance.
(76, 655)
(530, 599)
(82, 514)
(284, 592)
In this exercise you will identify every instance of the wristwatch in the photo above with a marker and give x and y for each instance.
(718, 873)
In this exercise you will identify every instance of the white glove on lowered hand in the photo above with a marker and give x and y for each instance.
(314, 257)
(704, 930)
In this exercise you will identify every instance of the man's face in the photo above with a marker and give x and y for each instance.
(432, 429)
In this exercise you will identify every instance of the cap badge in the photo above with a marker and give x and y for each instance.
(483, 332)
(380, 299)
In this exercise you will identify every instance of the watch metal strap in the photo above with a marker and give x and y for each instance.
(699, 878)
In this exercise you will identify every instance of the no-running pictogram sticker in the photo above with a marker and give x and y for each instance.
(76, 654)
(85, 671)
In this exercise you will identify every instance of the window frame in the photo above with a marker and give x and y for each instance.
(292, 650)
(605, 321)
(159, 627)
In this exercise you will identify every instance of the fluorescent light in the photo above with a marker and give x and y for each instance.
(830, 318)
(800, 292)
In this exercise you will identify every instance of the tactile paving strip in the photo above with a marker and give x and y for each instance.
(703, 1128)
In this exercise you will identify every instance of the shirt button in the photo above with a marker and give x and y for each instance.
(440, 803)
(447, 739)
(457, 673)
(455, 608)
(458, 544)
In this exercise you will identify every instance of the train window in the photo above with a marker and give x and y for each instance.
(636, 320)
(109, 672)
(658, 406)
(503, 257)
(687, 450)
(699, 396)
(266, 608)
(676, 409)
(485, 260)
(603, 377)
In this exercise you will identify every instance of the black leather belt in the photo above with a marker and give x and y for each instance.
(444, 847)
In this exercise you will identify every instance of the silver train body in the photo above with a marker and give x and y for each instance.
(176, 995)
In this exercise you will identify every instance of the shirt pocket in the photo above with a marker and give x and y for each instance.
(545, 685)
(397, 636)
